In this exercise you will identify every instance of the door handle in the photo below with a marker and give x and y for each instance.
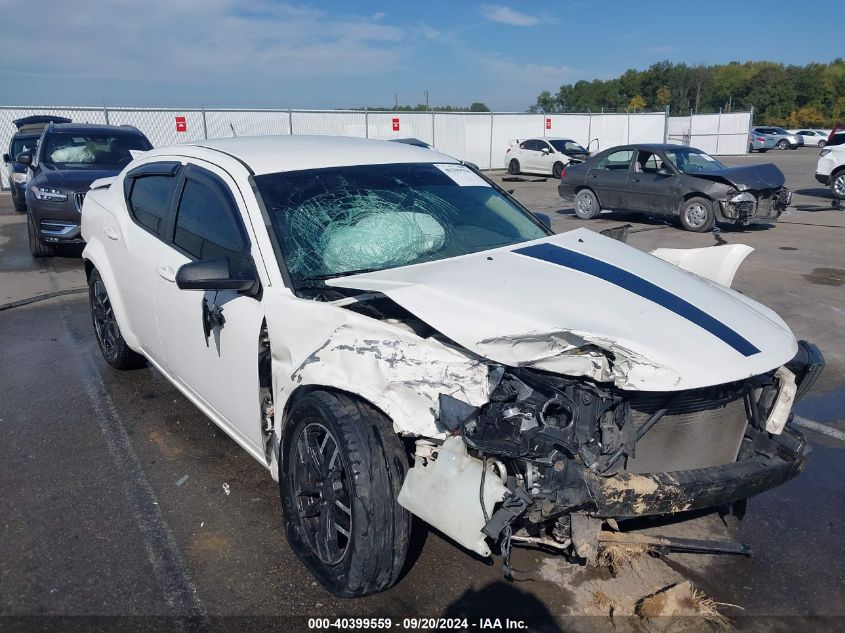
(111, 233)
(166, 273)
(635, 179)
(593, 175)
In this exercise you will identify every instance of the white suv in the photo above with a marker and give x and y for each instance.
(830, 170)
(336, 304)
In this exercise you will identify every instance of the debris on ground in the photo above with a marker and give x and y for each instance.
(617, 556)
(226, 489)
(682, 599)
(182, 480)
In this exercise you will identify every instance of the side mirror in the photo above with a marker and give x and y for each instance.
(665, 172)
(7, 158)
(24, 158)
(546, 220)
(546, 150)
(214, 274)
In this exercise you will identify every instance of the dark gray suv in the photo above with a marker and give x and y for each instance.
(68, 159)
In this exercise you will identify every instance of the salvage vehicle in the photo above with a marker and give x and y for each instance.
(812, 137)
(24, 141)
(67, 159)
(760, 143)
(830, 170)
(334, 304)
(543, 155)
(676, 181)
(782, 138)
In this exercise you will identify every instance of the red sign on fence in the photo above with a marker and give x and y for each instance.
(181, 124)
(548, 123)
(396, 124)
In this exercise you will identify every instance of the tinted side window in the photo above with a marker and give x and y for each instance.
(206, 222)
(616, 161)
(149, 201)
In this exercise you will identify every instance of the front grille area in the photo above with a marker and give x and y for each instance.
(79, 198)
(700, 429)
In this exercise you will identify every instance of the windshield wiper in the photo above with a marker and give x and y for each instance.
(345, 273)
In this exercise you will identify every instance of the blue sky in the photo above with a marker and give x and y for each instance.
(340, 54)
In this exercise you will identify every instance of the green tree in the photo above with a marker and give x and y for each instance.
(663, 96)
(477, 106)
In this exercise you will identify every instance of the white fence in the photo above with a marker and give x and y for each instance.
(479, 137)
(723, 133)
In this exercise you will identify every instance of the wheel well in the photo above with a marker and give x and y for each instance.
(304, 390)
(837, 171)
(697, 194)
(89, 268)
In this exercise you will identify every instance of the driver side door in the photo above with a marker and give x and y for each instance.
(217, 365)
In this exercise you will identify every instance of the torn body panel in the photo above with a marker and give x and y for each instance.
(716, 263)
(385, 363)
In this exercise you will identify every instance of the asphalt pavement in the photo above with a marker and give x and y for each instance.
(121, 505)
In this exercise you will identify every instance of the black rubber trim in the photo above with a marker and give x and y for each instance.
(240, 160)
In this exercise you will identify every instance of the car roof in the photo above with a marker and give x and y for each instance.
(651, 147)
(83, 128)
(271, 154)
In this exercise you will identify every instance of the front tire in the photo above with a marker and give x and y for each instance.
(837, 185)
(783, 144)
(697, 215)
(342, 466)
(513, 167)
(19, 203)
(557, 170)
(36, 245)
(112, 344)
(586, 205)
(822, 144)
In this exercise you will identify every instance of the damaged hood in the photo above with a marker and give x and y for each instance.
(756, 177)
(583, 304)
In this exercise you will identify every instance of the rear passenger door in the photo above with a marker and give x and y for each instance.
(134, 243)
(609, 178)
(531, 160)
(221, 369)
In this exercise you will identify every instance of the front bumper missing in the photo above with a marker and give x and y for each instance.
(632, 495)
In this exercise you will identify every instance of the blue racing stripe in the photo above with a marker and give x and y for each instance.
(639, 286)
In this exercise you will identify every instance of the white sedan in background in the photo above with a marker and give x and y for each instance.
(542, 155)
(817, 138)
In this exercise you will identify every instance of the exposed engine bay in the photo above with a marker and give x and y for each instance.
(557, 447)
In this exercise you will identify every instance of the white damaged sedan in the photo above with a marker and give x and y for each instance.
(338, 306)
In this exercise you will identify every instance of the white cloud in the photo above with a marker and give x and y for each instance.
(200, 41)
(506, 15)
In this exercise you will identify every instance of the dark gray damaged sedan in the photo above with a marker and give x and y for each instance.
(678, 181)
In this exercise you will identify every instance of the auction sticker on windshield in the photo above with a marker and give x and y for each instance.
(462, 175)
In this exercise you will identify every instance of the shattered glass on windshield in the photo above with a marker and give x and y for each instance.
(335, 221)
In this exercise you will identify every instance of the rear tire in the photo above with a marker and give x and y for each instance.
(750, 149)
(513, 167)
(342, 466)
(20, 204)
(586, 205)
(36, 245)
(557, 170)
(112, 344)
(697, 215)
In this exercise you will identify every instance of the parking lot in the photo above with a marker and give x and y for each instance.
(121, 498)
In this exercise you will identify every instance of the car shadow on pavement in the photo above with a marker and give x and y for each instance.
(501, 599)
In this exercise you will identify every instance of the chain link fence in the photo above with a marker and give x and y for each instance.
(478, 137)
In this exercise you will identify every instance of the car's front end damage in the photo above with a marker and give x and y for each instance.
(747, 195)
(575, 426)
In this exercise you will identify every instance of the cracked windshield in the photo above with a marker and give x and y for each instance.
(337, 221)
